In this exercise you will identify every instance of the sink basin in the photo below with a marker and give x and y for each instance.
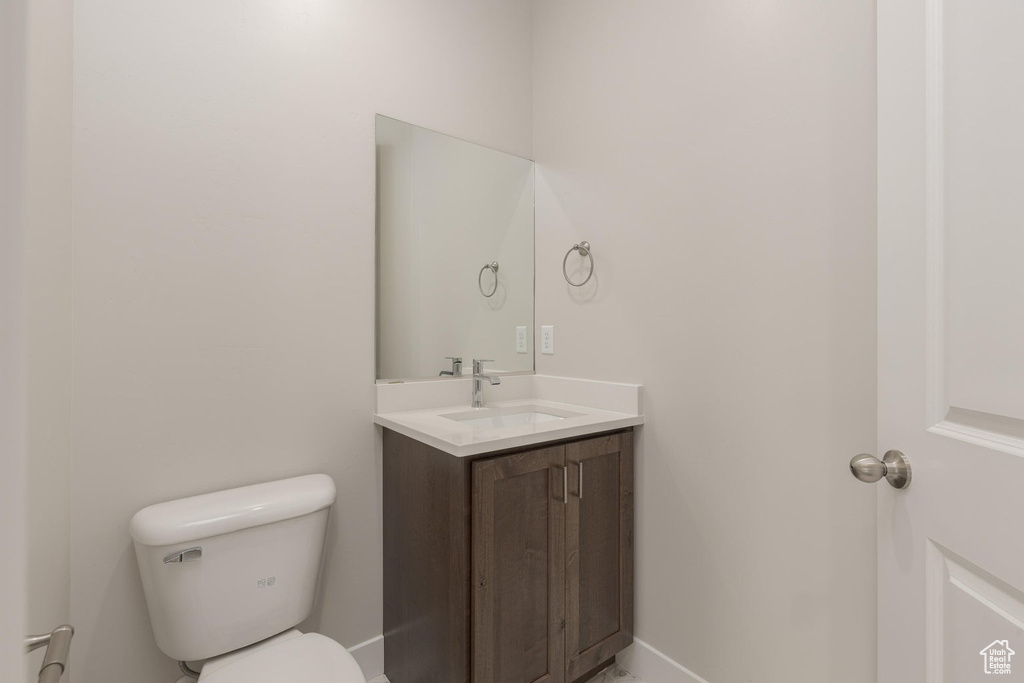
(509, 416)
(510, 420)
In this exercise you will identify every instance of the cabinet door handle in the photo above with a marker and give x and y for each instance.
(579, 492)
(565, 483)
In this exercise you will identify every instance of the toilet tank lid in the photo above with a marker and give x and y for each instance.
(212, 514)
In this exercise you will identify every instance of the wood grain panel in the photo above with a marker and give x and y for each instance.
(599, 551)
(521, 575)
(518, 568)
(426, 563)
(599, 548)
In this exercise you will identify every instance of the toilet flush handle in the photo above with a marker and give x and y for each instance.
(189, 555)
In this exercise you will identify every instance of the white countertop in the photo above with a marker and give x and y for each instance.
(429, 425)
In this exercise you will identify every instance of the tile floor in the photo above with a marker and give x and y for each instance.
(613, 674)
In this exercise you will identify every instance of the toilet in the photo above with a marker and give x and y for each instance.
(228, 576)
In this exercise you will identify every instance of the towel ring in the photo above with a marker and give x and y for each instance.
(584, 249)
(493, 267)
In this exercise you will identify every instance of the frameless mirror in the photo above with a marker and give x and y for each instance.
(454, 255)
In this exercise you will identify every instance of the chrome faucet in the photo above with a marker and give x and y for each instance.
(478, 384)
(456, 367)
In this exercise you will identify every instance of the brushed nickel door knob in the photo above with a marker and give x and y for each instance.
(894, 466)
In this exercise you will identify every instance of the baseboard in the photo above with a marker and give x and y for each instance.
(370, 657)
(640, 659)
(651, 666)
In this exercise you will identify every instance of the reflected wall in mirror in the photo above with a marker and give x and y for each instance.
(454, 254)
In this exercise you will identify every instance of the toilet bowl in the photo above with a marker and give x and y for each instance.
(228, 575)
(290, 656)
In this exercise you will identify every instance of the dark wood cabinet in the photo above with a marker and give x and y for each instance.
(519, 567)
(514, 567)
(598, 551)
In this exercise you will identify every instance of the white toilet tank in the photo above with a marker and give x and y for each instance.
(227, 569)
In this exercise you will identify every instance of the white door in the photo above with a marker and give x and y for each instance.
(951, 339)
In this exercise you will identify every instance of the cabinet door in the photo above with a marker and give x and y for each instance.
(599, 551)
(519, 568)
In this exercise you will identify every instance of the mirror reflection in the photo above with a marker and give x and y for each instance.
(455, 276)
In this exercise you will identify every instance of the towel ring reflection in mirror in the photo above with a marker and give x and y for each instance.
(584, 249)
(493, 267)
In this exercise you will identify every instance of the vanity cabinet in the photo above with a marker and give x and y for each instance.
(514, 567)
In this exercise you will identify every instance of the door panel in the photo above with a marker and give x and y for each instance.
(983, 203)
(951, 337)
(599, 551)
(972, 603)
(518, 568)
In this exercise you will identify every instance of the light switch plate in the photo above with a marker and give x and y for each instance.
(547, 339)
(521, 339)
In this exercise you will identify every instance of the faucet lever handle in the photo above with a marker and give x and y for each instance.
(457, 359)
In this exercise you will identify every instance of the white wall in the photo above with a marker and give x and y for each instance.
(13, 29)
(445, 207)
(719, 156)
(48, 317)
(223, 264)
